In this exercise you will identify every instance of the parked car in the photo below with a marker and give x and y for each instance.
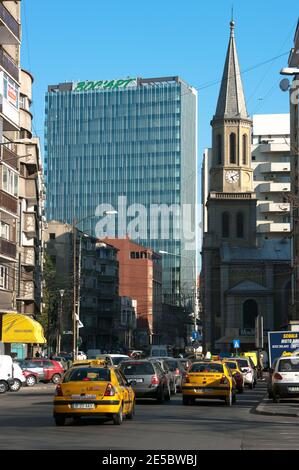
(31, 378)
(18, 378)
(170, 374)
(147, 379)
(284, 377)
(48, 370)
(247, 371)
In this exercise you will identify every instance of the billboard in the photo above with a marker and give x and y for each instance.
(280, 342)
(104, 84)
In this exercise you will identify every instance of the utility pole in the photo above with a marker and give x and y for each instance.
(58, 342)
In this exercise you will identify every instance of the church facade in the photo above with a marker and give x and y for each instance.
(240, 279)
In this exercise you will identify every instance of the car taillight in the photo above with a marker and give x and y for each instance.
(224, 380)
(177, 372)
(110, 391)
(155, 380)
(187, 379)
(58, 391)
(277, 376)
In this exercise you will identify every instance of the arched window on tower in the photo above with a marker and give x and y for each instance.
(240, 225)
(250, 311)
(245, 145)
(219, 148)
(232, 148)
(225, 224)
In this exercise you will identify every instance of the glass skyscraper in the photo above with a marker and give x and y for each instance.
(135, 138)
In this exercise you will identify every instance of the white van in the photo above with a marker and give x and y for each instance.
(6, 373)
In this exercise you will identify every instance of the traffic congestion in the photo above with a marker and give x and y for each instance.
(112, 385)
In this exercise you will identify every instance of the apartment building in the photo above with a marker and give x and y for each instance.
(270, 161)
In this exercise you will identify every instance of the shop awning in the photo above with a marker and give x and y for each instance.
(17, 328)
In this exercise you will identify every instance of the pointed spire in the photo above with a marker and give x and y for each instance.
(231, 101)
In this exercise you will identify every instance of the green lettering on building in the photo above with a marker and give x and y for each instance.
(104, 84)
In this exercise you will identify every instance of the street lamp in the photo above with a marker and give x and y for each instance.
(195, 313)
(58, 342)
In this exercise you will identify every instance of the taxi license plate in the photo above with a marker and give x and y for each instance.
(83, 405)
(202, 390)
(293, 389)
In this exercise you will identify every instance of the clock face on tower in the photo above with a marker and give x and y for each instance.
(232, 176)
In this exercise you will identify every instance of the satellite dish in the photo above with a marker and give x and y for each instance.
(284, 84)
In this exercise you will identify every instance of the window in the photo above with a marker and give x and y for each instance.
(4, 231)
(219, 148)
(52, 236)
(225, 224)
(240, 225)
(10, 181)
(245, 140)
(232, 148)
(253, 157)
(250, 311)
(10, 91)
(3, 277)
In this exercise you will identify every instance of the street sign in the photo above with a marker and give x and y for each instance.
(236, 343)
(195, 334)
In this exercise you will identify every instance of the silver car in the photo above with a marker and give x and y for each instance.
(170, 374)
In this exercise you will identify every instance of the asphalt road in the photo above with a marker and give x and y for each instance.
(26, 423)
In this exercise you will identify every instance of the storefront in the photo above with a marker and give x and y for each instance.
(19, 334)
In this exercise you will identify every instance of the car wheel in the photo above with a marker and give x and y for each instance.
(241, 390)
(3, 386)
(161, 396)
(30, 380)
(15, 387)
(251, 386)
(234, 398)
(229, 400)
(132, 412)
(186, 400)
(56, 379)
(118, 417)
(270, 395)
(276, 398)
(59, 420)
(168, 394)
(174, 390)
(77, 419)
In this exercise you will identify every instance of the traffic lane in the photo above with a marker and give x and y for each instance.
(26, 423)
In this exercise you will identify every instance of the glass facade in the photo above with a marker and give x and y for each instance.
(138, 142)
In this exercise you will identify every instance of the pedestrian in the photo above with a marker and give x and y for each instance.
(37, 354)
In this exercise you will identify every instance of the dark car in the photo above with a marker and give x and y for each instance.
(46, 369)
(147, 379)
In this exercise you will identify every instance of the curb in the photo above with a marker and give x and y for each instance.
(261, 409)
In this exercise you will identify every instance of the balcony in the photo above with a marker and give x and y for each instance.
(9, 65)
(275, 207)
(9, 157)
(26, 84)
(275, 147)
(8, 248)
(27, 189)
(275, 187)
(26, 290)
(26, 121)
(30, 224)
(8, 202)
(9, 28)
(281, 167)
(274, 228)
(28, 257)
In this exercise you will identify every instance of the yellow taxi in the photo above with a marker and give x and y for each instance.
(236, 373)
(209, 379)
(87, 362)
(93, 390)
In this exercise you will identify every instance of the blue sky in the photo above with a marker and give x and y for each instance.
(66, 40)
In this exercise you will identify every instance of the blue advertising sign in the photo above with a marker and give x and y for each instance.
(236, 343)
(280, 342)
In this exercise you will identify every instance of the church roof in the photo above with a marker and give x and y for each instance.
(271, 250)
(231, 100)
(248, 286)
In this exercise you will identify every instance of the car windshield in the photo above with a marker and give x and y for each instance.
(207, 367)
(86, 374)
(142, 368)
(243, 362)
(288, 365)
(173, 365)
(117, 360)
(231, 365)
